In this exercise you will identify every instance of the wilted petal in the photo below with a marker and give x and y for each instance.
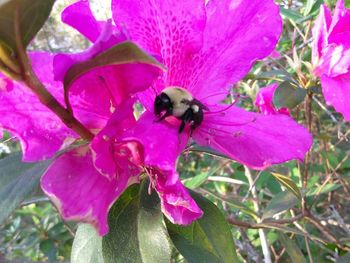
(161, 141)
(171, 30)
(80, 17)
(79, 191)
(264, 100)
(40, 131)
(236, 35)
(255, 140)
(177, 204)
(320, 32)
(336, 91)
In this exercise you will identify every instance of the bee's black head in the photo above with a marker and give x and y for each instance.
(162, 103)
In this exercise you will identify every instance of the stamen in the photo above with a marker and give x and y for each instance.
(226, 123)
(233, 94)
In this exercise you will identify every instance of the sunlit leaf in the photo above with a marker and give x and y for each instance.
(17, 181)
(288, 96)
(124, 53)
(308, 7)
(201, 178)
(291, 14)
(87, 245)
(207, 240)
(292, 248)
(279, 203)
(137, 233)
(32, 15)
(288, 183)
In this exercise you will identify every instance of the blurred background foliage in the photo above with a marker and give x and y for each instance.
(265, 208)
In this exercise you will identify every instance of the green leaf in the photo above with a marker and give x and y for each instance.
(347, 3)
(207, 240)
(49, 249)
(291, 14)
(207, 150)
(17, 181)
(308, 7)
(87, 246)
(279, 203)
(288, 183)
(201, 178)
(32, 16)
(137, 233)
(124, 53)
(292, 249)
(288, 96)
(324, 189)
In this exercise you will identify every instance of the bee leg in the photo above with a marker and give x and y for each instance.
(182, 126)
(186, 117)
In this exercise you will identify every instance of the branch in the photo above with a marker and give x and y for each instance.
(45, 97)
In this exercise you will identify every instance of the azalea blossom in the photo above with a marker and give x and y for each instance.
(331, 56)
(97, 97)
(264, 101)
(206, 49)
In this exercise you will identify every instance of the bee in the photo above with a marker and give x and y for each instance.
(178, 102)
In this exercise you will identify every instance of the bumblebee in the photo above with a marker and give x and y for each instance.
(178, 102)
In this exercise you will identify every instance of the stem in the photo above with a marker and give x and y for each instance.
(262, 235)
(308, 117)
(45, 97)
(6, 58)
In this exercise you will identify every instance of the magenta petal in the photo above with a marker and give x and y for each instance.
(264, 100)
(236, 35)
(108, 150)
(177, 204)
(161, 142)
(97, 93)
(171, 30)
(255, 140)
(81, 193)
(108, 37)
(341, 31)
(334, 61)
(336, 91)
(40, 131)
(79, 16)
(339, 12)
(320, 32)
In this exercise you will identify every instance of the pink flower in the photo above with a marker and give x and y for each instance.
(99, 97)
(264, 101)
(331, 56)
(206, 49)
